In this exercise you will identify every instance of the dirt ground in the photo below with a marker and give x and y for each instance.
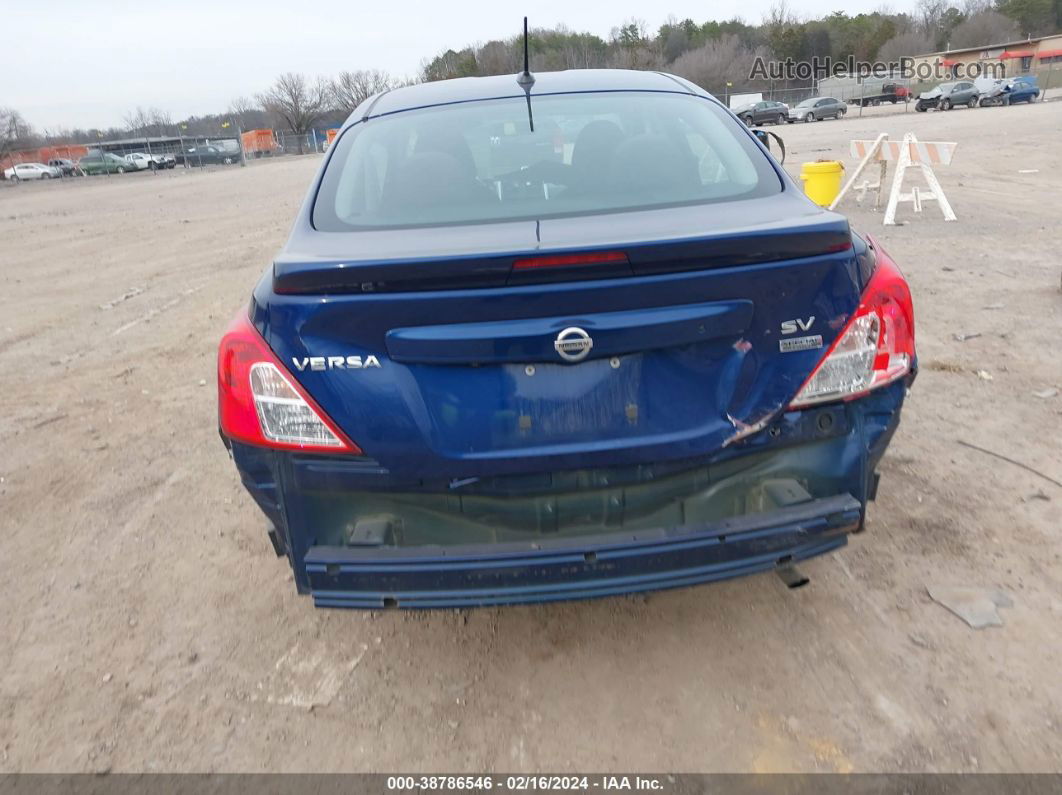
(147, 626)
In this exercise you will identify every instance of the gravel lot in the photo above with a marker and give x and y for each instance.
(147, 625)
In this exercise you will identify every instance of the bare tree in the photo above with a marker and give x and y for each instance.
(1034, 17)
(500, 57)
(632, 48)
(676, 43)
(983, 28)
(637, 57)
(146, 122)
(161, 122)
(297, 102)
(581, 50)
(779, 15)
(930, 15)
(905, 45)
(718, 62)
(136, 121)
(15, 132)
(350, 89)
(449, 64)
(243, 111)
(782, 28)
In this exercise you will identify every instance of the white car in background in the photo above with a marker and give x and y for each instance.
(22, 171)
(141, 161)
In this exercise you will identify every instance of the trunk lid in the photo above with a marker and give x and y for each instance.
(441, 360)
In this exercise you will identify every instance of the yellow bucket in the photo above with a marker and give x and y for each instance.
(822, 180)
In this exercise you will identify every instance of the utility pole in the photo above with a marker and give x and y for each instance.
(103, 155)
(239, 140)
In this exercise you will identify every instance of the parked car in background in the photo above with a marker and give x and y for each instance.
(206, 155)
(153, 162)
(1007, 91)
(1020, 89)
(97, 162)
(66, 167)
(641, 360)
(765, 112)
(30, 171)
(990, 91)
(948, 95)
(135, 164)
(229, 145)
(817, 109)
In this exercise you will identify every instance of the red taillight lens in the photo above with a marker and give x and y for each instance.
(260, 403)
(569, 260)
(876, 347)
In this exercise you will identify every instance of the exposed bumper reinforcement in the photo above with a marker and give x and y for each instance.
(578, 568)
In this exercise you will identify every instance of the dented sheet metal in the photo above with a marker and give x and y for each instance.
(348, 526)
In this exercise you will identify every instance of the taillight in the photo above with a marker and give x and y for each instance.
(876, 347)
(260, 403)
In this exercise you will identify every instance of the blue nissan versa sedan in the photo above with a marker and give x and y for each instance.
(554, 341)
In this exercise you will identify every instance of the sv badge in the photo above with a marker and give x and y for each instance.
(798, 324)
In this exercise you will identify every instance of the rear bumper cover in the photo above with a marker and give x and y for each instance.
(831, 451)
(579, 569)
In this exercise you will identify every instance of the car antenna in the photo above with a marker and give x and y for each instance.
(525, 79)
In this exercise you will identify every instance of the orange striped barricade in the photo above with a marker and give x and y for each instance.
(906, 154)
(868, 152)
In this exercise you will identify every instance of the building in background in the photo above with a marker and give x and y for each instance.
(1010, 59)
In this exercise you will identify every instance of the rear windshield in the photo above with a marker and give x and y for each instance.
(588, 153)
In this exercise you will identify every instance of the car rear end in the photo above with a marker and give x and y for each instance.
(1024, 89)
(614, 351)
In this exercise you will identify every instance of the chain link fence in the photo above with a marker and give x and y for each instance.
(300, 144)
(177, 150)
(790, 95)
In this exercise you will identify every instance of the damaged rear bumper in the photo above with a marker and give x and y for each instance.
(579, 568)
(359, 535)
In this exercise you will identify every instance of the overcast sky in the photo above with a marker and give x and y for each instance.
(86, 63)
